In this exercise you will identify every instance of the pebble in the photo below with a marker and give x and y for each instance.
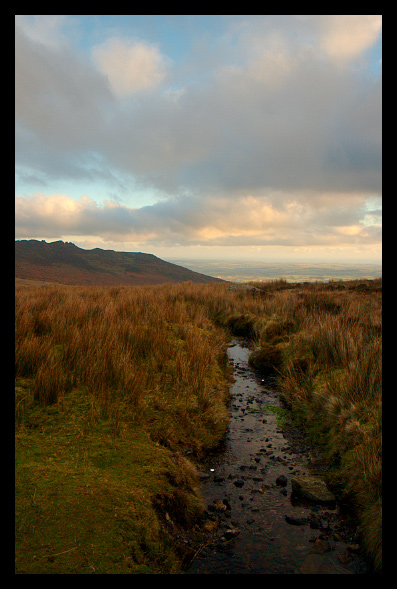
(296, 521)
(231, 533)
(268, 454)
(210, 525)
(204, 476)
(345, 557)
(320, 547)
(281, 481)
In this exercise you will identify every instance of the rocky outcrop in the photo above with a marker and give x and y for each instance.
(312, 489)
(245, 288)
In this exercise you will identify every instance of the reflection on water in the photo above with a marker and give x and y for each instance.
(249, 507)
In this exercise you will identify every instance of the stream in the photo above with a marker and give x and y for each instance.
(254, 524)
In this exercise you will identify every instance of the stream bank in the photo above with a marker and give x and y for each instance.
(254, 523)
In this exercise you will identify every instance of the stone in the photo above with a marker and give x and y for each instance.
(295, 521)
(324, 524)
(345, 557)
(281, 481)
(245, 288)
(210, 525)
(168, 519)
(320, 547)
(227, 504)
(313, 489)
(231, 533)
(217, 505)
(204, 476)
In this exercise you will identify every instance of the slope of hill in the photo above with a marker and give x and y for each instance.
(65, 263)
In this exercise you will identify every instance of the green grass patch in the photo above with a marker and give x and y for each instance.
(283, 415)
(113, 383)
(87, 497)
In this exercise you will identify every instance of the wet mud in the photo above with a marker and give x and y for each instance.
(253, 524)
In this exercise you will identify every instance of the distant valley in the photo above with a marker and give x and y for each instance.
(256, 270)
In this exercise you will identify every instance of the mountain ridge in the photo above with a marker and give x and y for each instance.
(66, 263)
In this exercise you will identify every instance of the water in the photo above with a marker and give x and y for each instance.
(248, 509)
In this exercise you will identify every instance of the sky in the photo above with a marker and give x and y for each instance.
(252, 137)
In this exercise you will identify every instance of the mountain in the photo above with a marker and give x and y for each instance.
(66, 263)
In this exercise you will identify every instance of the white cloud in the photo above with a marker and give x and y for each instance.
(284, 119)
(346, 36)
(272, 219)
(130, 67)
(273, 142)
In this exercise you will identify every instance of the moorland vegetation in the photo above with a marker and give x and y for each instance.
(120, 390)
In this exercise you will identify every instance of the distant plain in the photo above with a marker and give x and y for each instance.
(245, 271)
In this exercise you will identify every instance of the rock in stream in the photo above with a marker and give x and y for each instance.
(259, 517)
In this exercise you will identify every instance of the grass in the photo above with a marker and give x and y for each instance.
(111, 385)
(120, 390)
(329, 338)
(83, 496)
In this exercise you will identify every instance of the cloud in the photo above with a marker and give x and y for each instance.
(282, 123)
(61, 100)
(130, 67)
(274, 140)
(282, 119)
(340, 38)
(346, 36)
(43, 29)
(271, 219)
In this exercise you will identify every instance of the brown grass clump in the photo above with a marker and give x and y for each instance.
(152, 359)
(330, 337)
(267, 359)
(152, 350)
(113, 384)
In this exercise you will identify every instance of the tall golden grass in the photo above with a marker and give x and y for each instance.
(153, 351)
(156, 355)
(331, 376)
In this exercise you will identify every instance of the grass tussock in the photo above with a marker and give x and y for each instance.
(152, 350)
(119, 389)
(330, 374)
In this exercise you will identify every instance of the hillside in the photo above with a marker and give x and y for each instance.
(65, 263)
